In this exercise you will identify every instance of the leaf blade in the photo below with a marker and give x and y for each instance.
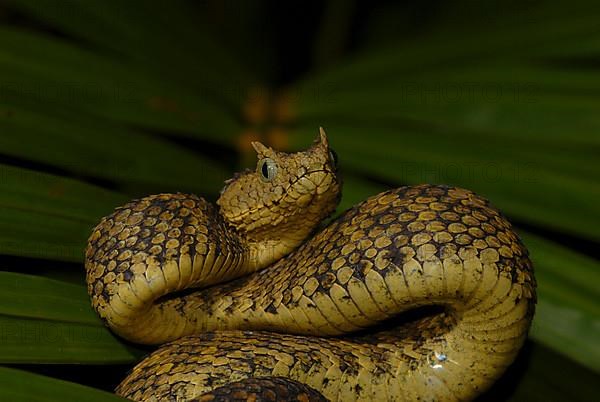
(18, 385)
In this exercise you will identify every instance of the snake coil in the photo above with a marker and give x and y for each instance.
(249, 306)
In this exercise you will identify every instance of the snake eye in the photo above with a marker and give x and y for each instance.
(334, 158)
(267, 168)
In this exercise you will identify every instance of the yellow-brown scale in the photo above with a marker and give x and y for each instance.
(399, 250)
(262, 390)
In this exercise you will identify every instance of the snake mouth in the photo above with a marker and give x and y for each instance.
(327, 173)
(312, 192)
(288, 191)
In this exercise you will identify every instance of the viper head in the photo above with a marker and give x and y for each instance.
(287, 195)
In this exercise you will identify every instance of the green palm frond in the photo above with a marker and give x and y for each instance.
(17, 386)
(104, 101)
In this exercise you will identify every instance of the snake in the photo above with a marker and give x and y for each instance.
(419, 293)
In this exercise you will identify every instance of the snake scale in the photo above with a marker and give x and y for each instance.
(252, 301)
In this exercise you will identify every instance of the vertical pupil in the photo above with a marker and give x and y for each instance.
(265, 170)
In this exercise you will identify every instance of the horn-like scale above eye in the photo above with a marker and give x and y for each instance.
(267, 169)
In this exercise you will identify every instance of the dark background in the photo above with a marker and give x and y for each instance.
(101, 102)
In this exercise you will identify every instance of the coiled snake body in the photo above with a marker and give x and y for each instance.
(247, 303)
